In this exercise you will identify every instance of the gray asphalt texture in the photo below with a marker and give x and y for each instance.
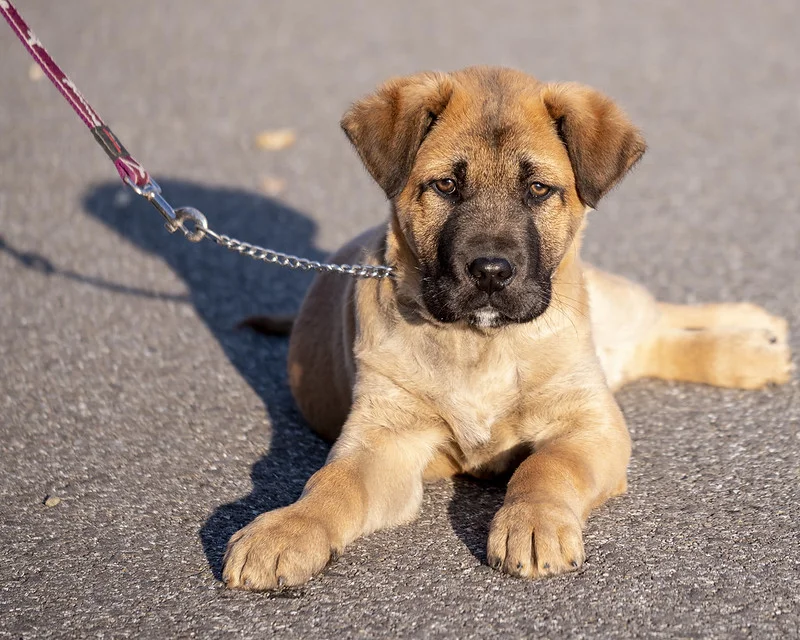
(128, 392)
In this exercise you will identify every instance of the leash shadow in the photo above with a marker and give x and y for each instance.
(224, 288)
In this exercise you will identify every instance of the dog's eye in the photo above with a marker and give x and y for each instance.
(445, 187)
(540, 191)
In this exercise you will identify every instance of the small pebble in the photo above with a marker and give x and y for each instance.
(52, 501)
(273, 186)
(122, 198)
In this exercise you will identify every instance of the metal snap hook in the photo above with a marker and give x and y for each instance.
(199, 224)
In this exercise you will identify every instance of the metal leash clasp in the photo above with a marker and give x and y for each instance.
(175, 218)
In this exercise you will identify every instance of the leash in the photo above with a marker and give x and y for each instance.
(189, 220)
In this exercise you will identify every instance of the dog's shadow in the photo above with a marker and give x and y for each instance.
(224, 288)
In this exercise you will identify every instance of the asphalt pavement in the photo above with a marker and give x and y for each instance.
(156, 428)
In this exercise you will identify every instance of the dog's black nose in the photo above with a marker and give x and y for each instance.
(491, 274)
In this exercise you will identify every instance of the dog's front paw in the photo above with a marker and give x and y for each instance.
(533, 540)
(281, 548)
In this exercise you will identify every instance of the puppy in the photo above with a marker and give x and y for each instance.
(493, 348)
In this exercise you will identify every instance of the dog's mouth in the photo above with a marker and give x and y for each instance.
(487, 317)
(491, 316)
(449, 302)
(499, 311)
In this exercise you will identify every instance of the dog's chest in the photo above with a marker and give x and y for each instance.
(474, 394)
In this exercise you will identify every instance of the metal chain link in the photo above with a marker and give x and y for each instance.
(198, 229)
(293, 262)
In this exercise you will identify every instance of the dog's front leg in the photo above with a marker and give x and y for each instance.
(373, 479)
(538, 530)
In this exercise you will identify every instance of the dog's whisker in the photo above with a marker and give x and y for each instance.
(567, 316)
(582, 312)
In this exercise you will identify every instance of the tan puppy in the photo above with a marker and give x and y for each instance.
(483, 354)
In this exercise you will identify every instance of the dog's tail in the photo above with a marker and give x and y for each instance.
(276, 325)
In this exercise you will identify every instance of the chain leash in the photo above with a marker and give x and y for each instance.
(190, 221)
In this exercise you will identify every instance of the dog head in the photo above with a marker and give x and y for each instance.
(490, 173)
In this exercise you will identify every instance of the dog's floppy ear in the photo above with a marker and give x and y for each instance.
(387, 127)
(601, 142)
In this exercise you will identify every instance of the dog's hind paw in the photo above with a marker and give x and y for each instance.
(751, 358)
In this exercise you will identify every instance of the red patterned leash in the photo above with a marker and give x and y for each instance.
(127, 167)
(132, 173)
(136, 177)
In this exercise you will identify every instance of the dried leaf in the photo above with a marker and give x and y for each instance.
(275, 139)
(35, 72)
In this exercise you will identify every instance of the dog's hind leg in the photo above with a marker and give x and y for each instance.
(725, 345)
(737, 315)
